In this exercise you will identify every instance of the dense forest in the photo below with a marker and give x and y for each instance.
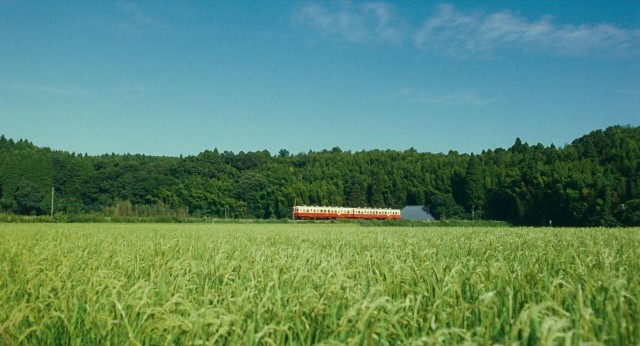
(594, 181)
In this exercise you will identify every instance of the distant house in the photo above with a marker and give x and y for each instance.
(416, 213)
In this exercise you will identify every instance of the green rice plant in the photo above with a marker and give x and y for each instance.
(301, 283)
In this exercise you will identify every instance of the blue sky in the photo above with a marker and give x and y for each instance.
(171, 78)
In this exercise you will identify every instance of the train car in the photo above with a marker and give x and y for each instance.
(320, 213)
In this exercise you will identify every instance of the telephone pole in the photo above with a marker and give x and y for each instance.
(52, 197)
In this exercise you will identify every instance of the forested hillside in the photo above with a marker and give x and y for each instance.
(592, 181)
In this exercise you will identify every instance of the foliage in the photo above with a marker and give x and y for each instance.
(444, 207)
(296, 284)
(593, 181)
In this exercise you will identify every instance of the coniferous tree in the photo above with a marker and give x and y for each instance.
(473, 186)
(592, 181)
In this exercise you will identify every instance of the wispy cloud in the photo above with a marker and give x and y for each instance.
(136, 19)
(635, 92)
(47, 90)
(372, 22)
(464, 98)
(451, 32)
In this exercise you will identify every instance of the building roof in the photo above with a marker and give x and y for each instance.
(416, 213)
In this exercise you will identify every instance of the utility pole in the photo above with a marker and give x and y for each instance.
(53, 189)
(293, 214)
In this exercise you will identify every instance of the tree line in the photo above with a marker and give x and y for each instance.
(594, 181)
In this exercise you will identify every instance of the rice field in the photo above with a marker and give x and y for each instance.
(156, 284)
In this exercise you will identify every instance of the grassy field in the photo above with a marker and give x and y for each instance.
(90, 284)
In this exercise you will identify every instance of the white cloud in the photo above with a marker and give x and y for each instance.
(469, 98)
(358, 23)
(451, 32)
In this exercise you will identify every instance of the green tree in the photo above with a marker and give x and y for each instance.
(355, 193)
(444, 206)
(473, 186)
(251, 189)
(29, 198)
(378, 192)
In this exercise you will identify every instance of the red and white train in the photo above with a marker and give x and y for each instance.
(315, 213)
